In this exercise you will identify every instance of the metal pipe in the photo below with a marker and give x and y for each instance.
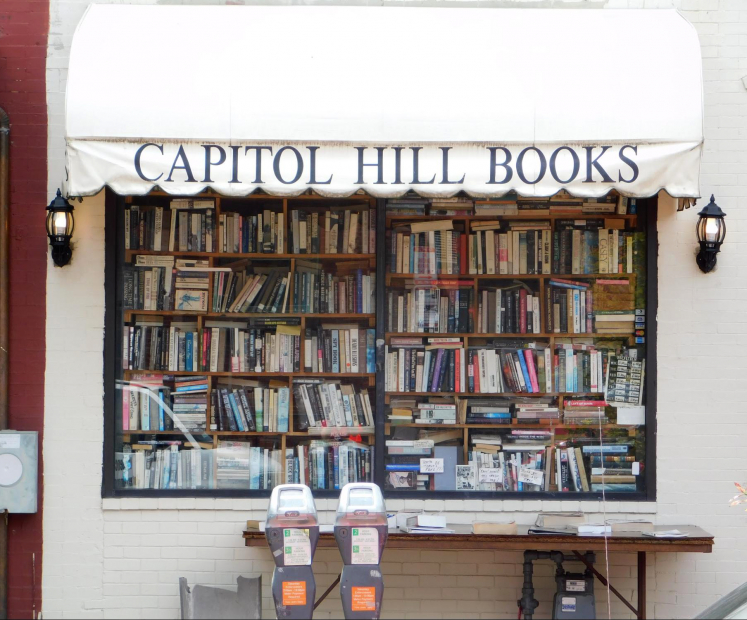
(4, 331)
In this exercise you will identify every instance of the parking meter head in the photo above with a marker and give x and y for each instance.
(361, 503)
(291, 505)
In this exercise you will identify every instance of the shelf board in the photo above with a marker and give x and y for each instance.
(470, 335)
(570, 215)
(253, 315)
(254, 255)
(543, 426)
(492, 394)
(267, 375)
(505, 276)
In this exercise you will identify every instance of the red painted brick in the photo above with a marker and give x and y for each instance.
(23, 46)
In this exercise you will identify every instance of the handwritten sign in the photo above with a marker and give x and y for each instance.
(531, 476)
(491, 474)
(422, 443)
(431, 466)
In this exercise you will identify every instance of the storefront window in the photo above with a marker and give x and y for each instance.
(515, 345)
(247, 343)
(510, 351)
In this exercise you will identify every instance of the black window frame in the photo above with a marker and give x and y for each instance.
(114, 257)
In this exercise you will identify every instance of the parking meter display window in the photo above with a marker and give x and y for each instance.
(296, 547)
(365, 545)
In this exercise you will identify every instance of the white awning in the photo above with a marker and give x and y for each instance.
(385, 99)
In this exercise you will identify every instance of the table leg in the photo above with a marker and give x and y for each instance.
(642, 584)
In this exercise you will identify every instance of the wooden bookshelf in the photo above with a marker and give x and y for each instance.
(473, 278)
(338, 262)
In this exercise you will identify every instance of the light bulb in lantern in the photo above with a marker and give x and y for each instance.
(711, 230)
(60, 223)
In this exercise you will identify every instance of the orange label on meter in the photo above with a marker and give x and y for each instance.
(294, 593)
(364, 599)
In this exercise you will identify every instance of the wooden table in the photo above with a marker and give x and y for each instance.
(696, 541)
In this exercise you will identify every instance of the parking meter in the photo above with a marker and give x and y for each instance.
(292, 531)
(361, 531)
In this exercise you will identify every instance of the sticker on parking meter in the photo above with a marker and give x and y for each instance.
(294, 593)
(363, 599)
(296, 547)
(365, 546)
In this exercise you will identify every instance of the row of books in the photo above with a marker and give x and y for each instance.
(261, 233)
(241, 465)
(430, 310)
(188, 226)
(234, 347)
(436, 365)
(329, 465)
(415, 205)
(154, 402)
(317, 291)
(326, 404)
(218, 347)
(146, 466)
(418, 249)
(512, 204)
(340, 349)
(591, 246)
(338, 231)
(165, 283)
(261, 290)
(509, 310)
(524, 248)
(247, 406)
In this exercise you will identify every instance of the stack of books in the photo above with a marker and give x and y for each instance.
(615, 322)
(189, 404)
(488, 411)
(536, 411)
(585, 412)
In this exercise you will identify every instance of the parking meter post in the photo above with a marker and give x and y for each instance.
(292, 532)
(361, 532)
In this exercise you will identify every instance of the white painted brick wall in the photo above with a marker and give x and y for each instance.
(122, 559)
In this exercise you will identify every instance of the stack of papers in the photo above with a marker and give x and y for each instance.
(665, 534)
(591, 529)
(426, 524)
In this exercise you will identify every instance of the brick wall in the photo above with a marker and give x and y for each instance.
(122, 558)
(23, 50)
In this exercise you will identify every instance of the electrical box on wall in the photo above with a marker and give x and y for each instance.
(19, 465)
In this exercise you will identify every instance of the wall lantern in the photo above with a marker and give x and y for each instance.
(60, 225)
(711, 233)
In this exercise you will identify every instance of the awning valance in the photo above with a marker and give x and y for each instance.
(384, 99)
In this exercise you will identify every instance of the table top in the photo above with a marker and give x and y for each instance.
(696, 540)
